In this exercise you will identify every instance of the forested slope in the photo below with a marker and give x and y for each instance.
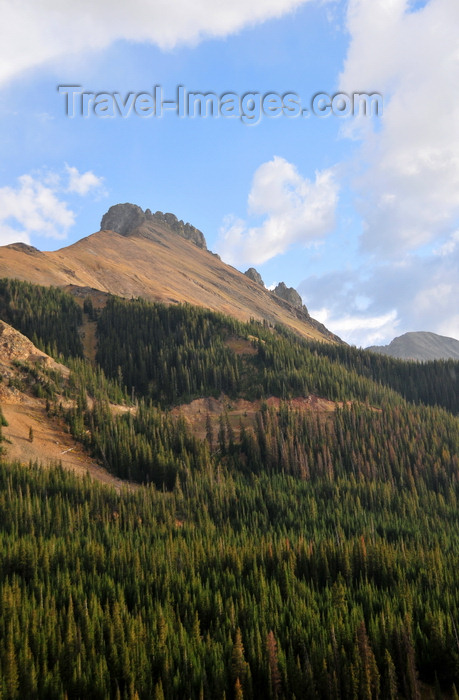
(230, 586)
(174, 353)
(297, 555)
(46, 315)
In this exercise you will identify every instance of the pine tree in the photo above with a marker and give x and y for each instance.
(239, 666)
(3, 423)
(369, 675)
(273, 666)
(390, 679)
(238, 694)
(10, 669)
(209, 433)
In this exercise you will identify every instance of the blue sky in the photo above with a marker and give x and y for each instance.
(361, 215)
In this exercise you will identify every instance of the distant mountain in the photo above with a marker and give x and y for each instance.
(421, 346)
(157, 257)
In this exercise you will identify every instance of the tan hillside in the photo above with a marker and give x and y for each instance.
(157, 263)
(242, 412)
(24, 412)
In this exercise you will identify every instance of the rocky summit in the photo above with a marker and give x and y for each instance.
(254, 275)
(123, 218)
(289, 294)
(127, 218)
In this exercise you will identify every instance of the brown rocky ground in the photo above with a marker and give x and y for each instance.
(242, 411)
(51, 442)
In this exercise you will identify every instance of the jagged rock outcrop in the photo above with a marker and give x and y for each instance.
(15, 347)
(289, 294)
(254, 275)
(191, 233)
(301, 311)
(125, 218)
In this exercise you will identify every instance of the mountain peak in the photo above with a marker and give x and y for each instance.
(420, 345)
(122, 218)
(158, 257)
(289, 294)
(126, 218)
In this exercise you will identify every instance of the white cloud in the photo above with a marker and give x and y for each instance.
(418, 293)
(35, 207)
(358, 329)
(406, 178)
(295, 210)
(449, 246)
(409, 189)
(82, 183)
(8, 235)
(43, 31)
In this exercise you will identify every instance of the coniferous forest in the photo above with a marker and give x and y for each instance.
(46, 315)
(300, 555)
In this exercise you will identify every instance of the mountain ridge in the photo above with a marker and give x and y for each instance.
(154, 261)
(420, 345)
(126, 218)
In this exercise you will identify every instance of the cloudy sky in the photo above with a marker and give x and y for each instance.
(359, 213)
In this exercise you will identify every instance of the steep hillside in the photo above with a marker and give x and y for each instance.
(159, 260)
(27, 378)
(421, 346)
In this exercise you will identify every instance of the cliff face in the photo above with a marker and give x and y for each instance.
(16, 348)
(187, 231)
(123, 219)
